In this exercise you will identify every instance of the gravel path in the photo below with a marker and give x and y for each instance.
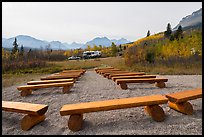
(93, 87)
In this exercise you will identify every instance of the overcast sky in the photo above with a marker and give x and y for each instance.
(83, 21)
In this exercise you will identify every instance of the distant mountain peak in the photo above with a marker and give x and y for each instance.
(31, 42)
(190, 20)
(104, 41)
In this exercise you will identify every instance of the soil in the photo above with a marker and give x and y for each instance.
(94, 87)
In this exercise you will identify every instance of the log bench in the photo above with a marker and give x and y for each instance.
(27, 89)
(107, 71)
(80, 71)
(75, 77)
(150, 103)
(67, 74)
(127, 74)
(73, 72)
(179, 100)
(35, 113)
(107, 74)
(133, 77)
(98, 69)
(50, 81)
(159, 82)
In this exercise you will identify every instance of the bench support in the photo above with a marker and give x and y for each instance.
(183, 107)
(160, 84)
(75, 122)
(26, 92)
(29, 121)
(66, 89)
(156, 112)
(123, 85)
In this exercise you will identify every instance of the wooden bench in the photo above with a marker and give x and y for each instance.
(72, 72)
(81, 71)
(76, 111)
(96, 69)
(107, 71)
(179, 100)
(50, 81)
(75, 77)
(35, 112)
(67, 74)
(127, 74)
(107, 74)
(133, 77)
(27, 89)
(159, 82)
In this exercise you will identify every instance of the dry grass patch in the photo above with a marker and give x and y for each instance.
(10, 79)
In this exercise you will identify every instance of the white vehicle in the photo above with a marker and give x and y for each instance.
(91, 54)
(74, 58)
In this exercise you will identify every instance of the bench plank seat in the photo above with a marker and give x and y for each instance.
(26, 108)
(151, 104)
(50, 81)
(35, 112)
(186, 95)
(98, 69)
(59, 77)
(27, 89)
(113, 72)
(133, 77)
(127, 74)
(66, 74)
(142, 80)
(179, 100)
(69, 73)
(45, 85)
(109, 70)
(82, 70)
(159, 82)
(81, 108)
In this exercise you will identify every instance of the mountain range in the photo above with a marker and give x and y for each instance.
(191, 21)
(31, 42)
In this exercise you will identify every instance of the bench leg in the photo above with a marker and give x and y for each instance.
(26, 92)
(29, 121)
(156, 112)
(66, 89)
(123, 86)
(183, 107)
(75, 122)
(160, 84)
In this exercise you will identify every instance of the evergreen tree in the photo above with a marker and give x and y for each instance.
(15, 47)
(22, 50)
(148, 33)
(179, 33)
(168, 31)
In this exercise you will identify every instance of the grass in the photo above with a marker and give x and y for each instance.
(10, 79)
(24, 76)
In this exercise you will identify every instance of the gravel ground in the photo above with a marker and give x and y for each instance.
(93, 87)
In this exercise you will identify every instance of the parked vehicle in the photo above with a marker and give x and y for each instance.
(91, 54)
(74, 58)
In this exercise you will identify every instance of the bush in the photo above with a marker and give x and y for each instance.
(150, 57)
